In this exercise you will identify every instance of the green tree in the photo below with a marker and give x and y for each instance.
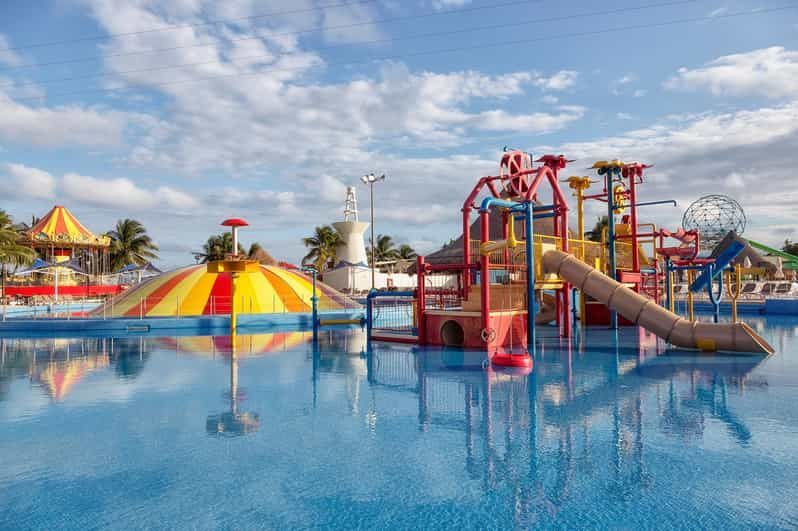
(322, 247)
(12, 252)
(130, 244)
(385, 251)
(218, 247)
(405, 252)
(790, 247)
(595, 233)
(258, 253)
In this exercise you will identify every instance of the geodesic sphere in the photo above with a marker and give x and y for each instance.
(714, 216)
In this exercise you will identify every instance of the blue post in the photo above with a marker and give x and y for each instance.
(314, 303)
(369, 320)
(531, 310)
(613, 265)
(713, 298)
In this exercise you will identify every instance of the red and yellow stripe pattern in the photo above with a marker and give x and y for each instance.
(193, 290)
(59, 226)
(245, 345)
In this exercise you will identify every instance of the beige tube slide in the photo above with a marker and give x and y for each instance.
(548, 310)
(645, 312)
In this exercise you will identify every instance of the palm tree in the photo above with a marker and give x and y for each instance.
(130, 244)
(11, 251)
(218, 247)
(595, 234)
(405, 252)
(384, 250)
(322, 247)
(258, 253)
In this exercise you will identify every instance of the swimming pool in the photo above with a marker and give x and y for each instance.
(175, 432)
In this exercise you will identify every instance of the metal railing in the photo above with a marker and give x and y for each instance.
(392, 313)
(133, 307)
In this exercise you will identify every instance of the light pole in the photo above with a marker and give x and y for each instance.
(370, 179)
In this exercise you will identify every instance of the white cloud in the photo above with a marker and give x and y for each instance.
(529, 123)
(769, 72)
(562, 80)
(18, 180)
(449, 4)
(639, 93)
(719, 11)
(710, 153)
(123, 193)
(548, 99)
(8, 57)
(621, 85)
(59, 126)
(624, 116)
(274, 115)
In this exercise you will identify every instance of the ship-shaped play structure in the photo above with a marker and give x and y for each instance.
(497, 290)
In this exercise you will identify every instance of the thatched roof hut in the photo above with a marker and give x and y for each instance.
(754, 257)
(452, 253)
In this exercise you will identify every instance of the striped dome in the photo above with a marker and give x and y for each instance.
(193, 290)
(59, 226)
(246, 346)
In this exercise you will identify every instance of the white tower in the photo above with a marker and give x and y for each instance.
(353, 249)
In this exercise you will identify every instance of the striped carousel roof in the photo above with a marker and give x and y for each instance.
(60, 377)
(59, 226)
(193, 290)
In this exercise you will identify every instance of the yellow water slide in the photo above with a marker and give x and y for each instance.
(737, 337)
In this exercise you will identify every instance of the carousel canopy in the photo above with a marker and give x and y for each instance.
(146, 268)
(60, 227)
(193, 290)
(42, 266)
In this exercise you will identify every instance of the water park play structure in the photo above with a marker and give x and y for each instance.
(501, 289)
(222, 294)
(493, 297)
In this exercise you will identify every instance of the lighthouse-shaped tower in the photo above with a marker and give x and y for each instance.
(352, 251)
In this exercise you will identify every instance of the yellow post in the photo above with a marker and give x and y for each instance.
(579, 185)
(690, 308)
(733, 289)
(234, 277)
(671, 292)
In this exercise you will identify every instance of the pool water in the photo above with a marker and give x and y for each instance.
(607, 431)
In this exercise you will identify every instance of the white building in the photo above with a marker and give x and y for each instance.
(352, 274)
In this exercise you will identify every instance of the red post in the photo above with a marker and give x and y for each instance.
(484, 276)
(466, 249)
(421, 269)
(633, 220)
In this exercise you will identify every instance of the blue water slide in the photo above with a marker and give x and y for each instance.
(721, 262)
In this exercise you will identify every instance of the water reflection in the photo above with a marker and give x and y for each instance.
(233, 423)
(58, 365)
(531, 436)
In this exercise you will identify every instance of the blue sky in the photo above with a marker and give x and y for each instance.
(180, 123)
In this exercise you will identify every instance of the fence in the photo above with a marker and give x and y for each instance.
(392, 313)
(130, 306)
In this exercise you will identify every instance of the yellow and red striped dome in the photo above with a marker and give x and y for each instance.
(250, 345)
(59, 226)
(194, 290)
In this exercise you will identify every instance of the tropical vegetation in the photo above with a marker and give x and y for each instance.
(790, 247)
(12, 252)
(218, 247)
(322, 247)
(405, 252)
(130, 245)
(595, 233)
